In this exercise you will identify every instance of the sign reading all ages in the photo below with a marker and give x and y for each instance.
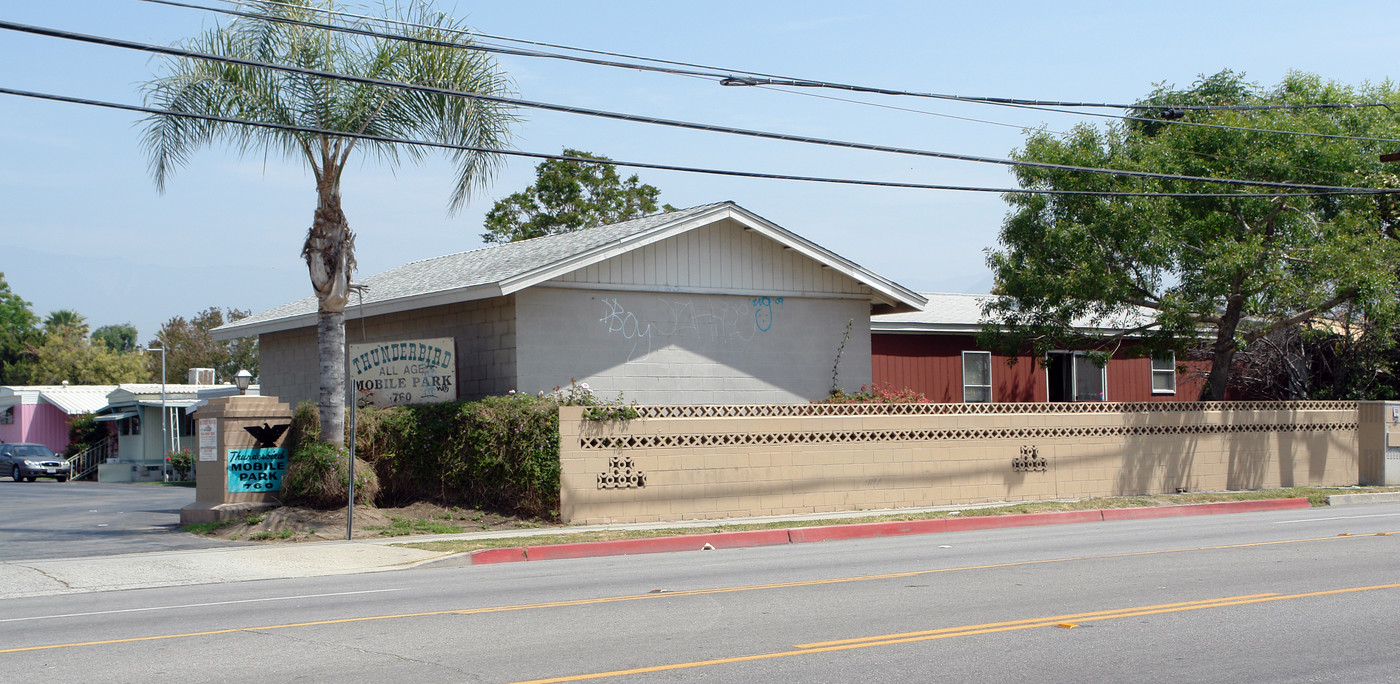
(256, 470)
(405, 371)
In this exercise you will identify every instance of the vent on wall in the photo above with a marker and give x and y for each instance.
(201, 376)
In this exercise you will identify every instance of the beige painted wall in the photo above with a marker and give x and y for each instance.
(700, 462)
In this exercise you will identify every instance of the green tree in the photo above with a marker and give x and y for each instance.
(569, 195)
(188, 344)
(18, 332)
(68, 356)
(65, 320)
(1226, 271)
(120, 338)
(310, 102)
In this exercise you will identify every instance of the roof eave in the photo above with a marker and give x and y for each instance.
(356, 311)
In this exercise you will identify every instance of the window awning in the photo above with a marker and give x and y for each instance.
(114, 416)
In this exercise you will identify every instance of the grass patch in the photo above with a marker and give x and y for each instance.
(283, 534)
(211, 527)
(401, 527)
(1317, 496)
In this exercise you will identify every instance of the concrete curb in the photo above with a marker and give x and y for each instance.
(1358, 499)
(804, 535)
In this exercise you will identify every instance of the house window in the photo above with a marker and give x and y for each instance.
(977, 377)
(1073, 376)
(1164, 373)
(131, 426)
(7, 417)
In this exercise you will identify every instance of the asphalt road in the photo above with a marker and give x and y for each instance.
(48, 519)
(1303, 595)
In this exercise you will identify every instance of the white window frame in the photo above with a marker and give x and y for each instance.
(7, 415)
(1169, 372)
(966, 384)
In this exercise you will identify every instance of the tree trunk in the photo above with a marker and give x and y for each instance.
(329, 253)
(1219, 373)
(330, 342)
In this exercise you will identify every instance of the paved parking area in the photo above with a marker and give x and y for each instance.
(47, 519)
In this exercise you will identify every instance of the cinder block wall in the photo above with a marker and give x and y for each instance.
(701, 462)
(484, 331)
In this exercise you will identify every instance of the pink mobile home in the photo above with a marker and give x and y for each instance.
(41, 413)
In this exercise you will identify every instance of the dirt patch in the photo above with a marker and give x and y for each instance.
(293, 524)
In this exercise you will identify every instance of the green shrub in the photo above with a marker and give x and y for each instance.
(182, 461)
(318, 476)
(500, 453)
(497, 452)
(83, 434)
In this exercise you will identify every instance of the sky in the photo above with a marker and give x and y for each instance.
(83, 227)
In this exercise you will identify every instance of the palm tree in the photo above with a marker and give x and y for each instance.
(304, 101)
(66, 321)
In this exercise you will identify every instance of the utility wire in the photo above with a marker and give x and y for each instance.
(728, 77)
(751, 78)
(910, 110)
(672, 167)
(634, 118)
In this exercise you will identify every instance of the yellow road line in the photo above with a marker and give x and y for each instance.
(668, 594)
(969, 630)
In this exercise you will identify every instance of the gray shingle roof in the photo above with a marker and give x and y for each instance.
(956, 312)
(486, 266)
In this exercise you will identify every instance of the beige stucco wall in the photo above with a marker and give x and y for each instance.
(699, 462)
(484, 331)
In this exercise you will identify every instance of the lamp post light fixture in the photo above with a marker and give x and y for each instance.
(243, 379)
(164, 410)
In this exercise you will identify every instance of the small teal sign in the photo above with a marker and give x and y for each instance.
(256, 470)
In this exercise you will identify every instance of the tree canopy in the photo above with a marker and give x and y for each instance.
(188, 344)
(18, 332)
(120, 337)
(569, 195)
(1226, 271)
(67, 355)
(314, 113)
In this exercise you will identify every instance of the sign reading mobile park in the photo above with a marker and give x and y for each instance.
(405, 371)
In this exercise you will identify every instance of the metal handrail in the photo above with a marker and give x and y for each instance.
(86, 463)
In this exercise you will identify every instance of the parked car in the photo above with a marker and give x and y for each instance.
(32, 461)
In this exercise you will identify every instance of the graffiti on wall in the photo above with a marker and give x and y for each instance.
(725, 321)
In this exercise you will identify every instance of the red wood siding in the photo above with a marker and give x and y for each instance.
(932, 364)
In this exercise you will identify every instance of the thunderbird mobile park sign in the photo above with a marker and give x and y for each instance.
(405, 371)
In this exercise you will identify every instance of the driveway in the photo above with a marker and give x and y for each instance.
(47, 519)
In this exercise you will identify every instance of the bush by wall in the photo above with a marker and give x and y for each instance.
(318, 476)
(498, 452)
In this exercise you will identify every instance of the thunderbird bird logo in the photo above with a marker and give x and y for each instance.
(265, 434)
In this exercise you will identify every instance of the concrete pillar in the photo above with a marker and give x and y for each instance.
(238, 473)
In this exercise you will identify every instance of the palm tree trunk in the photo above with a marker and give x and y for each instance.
(329, 253)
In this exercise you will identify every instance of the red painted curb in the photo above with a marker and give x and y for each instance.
(991, 522)
(1205, 509)
(722, 540)
(488, 556)
(802, 535)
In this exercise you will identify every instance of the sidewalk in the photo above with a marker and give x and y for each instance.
(52, 576)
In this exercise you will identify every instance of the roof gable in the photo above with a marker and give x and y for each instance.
(506, 268)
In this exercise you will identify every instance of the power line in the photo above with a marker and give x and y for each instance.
(728, 77)
(671, 167)
(910, 110)
(674, 123)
